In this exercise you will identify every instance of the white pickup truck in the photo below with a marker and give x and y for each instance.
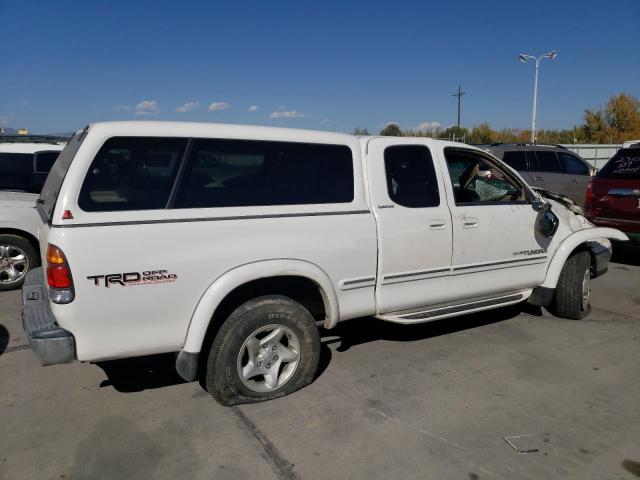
(229, 244)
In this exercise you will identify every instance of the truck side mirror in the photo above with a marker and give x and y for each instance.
(548, 224)
(540, 205)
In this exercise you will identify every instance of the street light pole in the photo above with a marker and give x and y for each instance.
(523, 58)
(535, 103)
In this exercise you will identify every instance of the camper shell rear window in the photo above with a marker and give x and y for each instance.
(149, 173)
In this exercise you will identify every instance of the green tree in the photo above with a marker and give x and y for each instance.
(360, 131)
(482, 133)
(455, 133)
(391, 130)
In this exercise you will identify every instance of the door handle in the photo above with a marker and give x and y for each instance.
(437, 224)
(537, 179)
(573, 180)
(470, 222)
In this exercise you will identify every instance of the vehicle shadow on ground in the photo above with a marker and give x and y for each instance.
(158, 371)
(4, 338)
(141, 373)
(359, 331)
(626, 254)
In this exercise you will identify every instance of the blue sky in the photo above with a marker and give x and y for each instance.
(328, 65)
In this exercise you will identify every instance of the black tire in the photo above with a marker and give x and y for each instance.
(32, 260)
(569, 301)
(223, 377)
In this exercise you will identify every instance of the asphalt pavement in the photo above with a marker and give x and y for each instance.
(431, 401)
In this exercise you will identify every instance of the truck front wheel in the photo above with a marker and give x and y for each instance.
(267, 348)
(573, 291)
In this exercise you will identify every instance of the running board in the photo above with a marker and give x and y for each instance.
(436, 312)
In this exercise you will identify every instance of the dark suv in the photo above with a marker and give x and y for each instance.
(551, 167)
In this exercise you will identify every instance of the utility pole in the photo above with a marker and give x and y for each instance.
(459, 95)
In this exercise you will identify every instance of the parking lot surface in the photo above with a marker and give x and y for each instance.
(431, 401)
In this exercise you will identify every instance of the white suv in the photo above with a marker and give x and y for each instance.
(227, 244)
(23, 169)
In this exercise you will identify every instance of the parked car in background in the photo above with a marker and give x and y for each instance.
(548, 167)
(24, 166)
(631, 143)
(613, 196)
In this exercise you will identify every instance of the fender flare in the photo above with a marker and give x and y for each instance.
(238, 276)
(570, 243)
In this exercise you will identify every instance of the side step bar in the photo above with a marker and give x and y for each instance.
(435, 312)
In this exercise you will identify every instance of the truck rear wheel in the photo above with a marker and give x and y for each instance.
(17, 257)
(573, 291)
(267, 348)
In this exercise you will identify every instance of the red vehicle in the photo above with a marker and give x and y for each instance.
(613, 196)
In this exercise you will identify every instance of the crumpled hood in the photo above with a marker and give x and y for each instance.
(558, 197)
(574, 221)
(18, 199)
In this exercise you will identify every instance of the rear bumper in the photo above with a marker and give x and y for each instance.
(51, 343)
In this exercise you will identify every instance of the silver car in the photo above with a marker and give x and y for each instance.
(550, 167)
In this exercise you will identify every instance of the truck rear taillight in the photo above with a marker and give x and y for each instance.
(59, 276)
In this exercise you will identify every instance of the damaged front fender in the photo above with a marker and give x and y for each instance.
(589, 237)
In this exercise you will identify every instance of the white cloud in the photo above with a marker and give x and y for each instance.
(287, 114)
(219, 106)
(187, 107)
(325, 120)
(4, 120)
(122, 108)
(254, 108)
(429, 126)
(147, 107)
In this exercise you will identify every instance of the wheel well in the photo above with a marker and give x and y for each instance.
(583, 247)
(300, 289)
(21, 233)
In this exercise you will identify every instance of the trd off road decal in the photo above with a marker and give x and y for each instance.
(130, 279)
(539, 251)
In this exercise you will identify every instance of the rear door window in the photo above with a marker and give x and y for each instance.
(234, 173)
(132, 173)
(624, 165)
(516, 160)
(546, 161)
(411, 177)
